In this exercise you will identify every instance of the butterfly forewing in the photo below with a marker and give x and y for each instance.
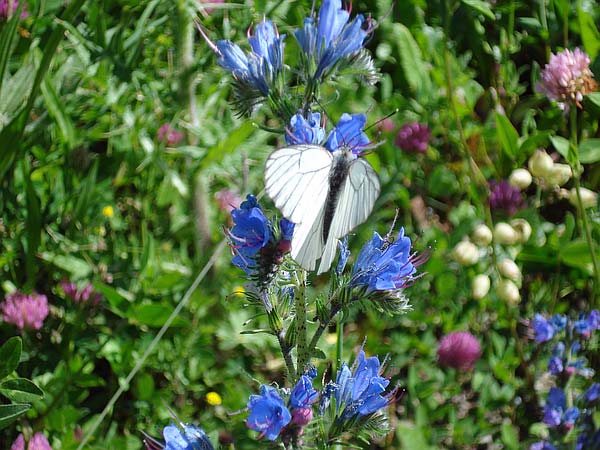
(355, 202)
(297, 180)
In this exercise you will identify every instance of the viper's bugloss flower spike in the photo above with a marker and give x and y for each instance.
(305, 130)
(361, 390)
(256, 69)
(333, 38)
(384, 265)
(567, 78)
(268, 413)
(25, 311)
(186, 437)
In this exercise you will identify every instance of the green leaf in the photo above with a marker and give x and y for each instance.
(412, 436)
(594, 97)
(9, 31)
(57, 111)
(154, 315)
(589, 151)
(507, 135)
(21, 390)
(10, 413)
(481, 7)
(564, 147)
(411, 59)
(228, 145)
(577, 254)
(589, 33)
(33, 225)
(10, 355)
(510, 437)
(78, 268)
(119, 304)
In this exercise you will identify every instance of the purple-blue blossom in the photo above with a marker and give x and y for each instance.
(259, 67)
(360, 390)
(303, 395)
(305, 130)
(333, 38)
(268, 413)
(251, 232)
(382, 265)
(542, 329)
(554, 407)
(542, 445)
(188, 437)
(349, 133)
(593, 393)
(555, 365)
(559, 322)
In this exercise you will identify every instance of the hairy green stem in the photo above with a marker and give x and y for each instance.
(301, 337)
(286, 351)
(584, 219)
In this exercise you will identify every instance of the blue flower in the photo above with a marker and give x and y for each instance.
(555, 365)
(593, 393)
(190, 438)
(554, 407)
(558, 350)
(582, 326)
(305, 131)
(251, 232)
(287, 229)
(333, 38)
(542, 445)
(258, 68)
(303, 394)
(542, 329)
(594, 320)
(348, 133)
(559, 322)
(343, 256)
(268, 413)
(570, 416)
(385, 266)
(359, 391)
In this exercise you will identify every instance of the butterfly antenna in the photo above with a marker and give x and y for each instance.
(396, 111)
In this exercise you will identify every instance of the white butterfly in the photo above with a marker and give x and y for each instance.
(326, 194)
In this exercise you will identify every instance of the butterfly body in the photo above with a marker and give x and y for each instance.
(326, 194)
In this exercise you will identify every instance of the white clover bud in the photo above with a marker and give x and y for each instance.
(482, 235)
(540, 164)
(480, 287)
(509, 269)
(589, 199)
(558, 175)
(466, 253)
(520, 178)
(523, 229)
(508, 291)
(505, 234)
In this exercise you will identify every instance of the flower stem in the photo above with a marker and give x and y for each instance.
(302, 348)
(286, 351)
(339, 343)
(582, 211)
(321, 328)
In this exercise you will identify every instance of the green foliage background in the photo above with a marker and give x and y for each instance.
(85, 87)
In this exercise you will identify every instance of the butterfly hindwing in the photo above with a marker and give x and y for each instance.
(355, 202)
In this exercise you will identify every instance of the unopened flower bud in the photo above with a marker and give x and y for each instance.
(523, 229)
(540, 164)
(520, 178)
(482, 235)
(559, 175)
(589, 199)
(508, 291)
(509, 269)
(302, 416)
(466, 253)
(481, 286)
(505, 234)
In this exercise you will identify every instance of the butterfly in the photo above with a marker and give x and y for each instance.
(326, 194)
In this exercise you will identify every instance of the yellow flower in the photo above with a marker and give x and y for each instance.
(213, 399)
(108, 211)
